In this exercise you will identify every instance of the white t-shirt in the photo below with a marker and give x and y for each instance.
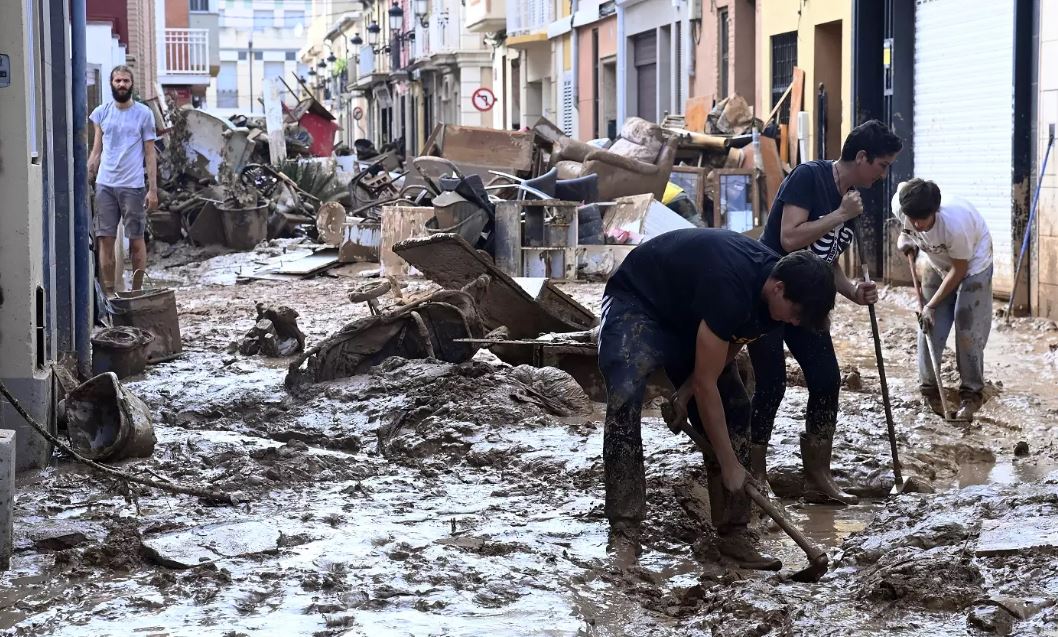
(124, 132)
(960, 232)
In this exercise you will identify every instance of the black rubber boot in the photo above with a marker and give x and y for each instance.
(730, 515)
(932, 397)
(815, 454)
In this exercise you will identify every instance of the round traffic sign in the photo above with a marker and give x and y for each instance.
(483, 99)
(358, 113)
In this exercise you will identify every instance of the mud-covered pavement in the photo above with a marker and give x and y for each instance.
(433, 499)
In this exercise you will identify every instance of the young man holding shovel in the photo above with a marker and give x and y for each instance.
(686, 302)
(958, 286)
(123, 145)
(814, 209)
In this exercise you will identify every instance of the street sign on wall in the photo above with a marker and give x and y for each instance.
(483, 99)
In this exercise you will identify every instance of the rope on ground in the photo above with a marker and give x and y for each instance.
(172, 487)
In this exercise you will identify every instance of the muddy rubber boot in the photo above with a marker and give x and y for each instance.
(730, 514)
(625, 543)
(815, 454)
(967, 408)
(932, 397)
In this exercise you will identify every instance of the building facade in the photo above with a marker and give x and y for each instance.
(257, 41)
(1043, 264)
(188, 48)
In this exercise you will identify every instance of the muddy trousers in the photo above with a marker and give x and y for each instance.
(814, 352)
(969, 310)
(631, 347)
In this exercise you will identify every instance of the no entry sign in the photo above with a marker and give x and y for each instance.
(358, 113)
(483, 99)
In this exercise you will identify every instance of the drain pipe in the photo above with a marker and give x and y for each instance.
(82, 255)
(622, 67)
(574, 38)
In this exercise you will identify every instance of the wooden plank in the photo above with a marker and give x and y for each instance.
(772, 167)
(796, 100)
(277, 142)
(696, 112)
(1018, 535)
(784, 144)
(400, 223)
(778, 105)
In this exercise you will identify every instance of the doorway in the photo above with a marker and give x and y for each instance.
(828, 76)
(645, 47)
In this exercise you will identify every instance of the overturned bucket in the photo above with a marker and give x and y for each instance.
(106, 422)
(122, 350)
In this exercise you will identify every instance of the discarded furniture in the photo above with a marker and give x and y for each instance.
(244, 227)
(639, 218)
(638, 162)
(694, 181)
(429, 328)
(478, 150)
(449, 261)
(400, 223)
(361, 241)
(737, 199)
(212, 143)
(537, 238)
(106, 422)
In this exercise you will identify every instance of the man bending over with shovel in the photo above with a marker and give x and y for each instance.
(958, 287)
(686, 302)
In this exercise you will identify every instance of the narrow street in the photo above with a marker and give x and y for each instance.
(435, 499)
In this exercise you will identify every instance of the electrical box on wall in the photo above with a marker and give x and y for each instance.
(694, 9)
(5, 70)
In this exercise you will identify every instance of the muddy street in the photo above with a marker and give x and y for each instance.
(430, 498)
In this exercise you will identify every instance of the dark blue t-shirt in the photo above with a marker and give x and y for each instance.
(810, 186)
(684, 277)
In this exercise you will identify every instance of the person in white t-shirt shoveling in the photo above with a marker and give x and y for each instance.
(957, 289)
(124, 143)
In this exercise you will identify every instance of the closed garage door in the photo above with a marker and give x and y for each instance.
(646, 63)
(964, 78)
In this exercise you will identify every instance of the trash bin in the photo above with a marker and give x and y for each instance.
(244, 228)
(122, 350)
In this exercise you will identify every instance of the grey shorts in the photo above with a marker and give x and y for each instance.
(114, 204)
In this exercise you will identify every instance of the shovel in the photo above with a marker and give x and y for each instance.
(899, 484)
(934, 360)
(818, 562)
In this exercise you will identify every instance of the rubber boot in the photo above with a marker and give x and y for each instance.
(626, 544)
(815, 454)
(968, 406)
(730, 515)
(758, 468)
(932, 397)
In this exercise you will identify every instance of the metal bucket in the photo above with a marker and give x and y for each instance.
(244, 228)
(106, 422)
(121, 350)
(153, 310)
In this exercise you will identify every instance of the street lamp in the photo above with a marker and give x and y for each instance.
(422, 12)
(396, 21)
(372, 34)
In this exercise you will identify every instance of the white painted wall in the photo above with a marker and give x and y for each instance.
(103, 49)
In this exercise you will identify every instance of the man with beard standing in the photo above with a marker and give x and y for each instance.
(123, 142)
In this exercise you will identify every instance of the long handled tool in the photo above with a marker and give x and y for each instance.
(818, 561)
(899, 485)
(934, 360)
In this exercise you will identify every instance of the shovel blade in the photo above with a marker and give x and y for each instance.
(814, 571)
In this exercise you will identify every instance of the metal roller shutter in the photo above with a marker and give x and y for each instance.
(964, 78)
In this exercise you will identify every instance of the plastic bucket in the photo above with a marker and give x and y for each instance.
(153, 310)
(121, 350)
(106, 422)
(244, 228)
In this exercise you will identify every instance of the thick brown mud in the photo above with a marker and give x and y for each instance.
(427, 498)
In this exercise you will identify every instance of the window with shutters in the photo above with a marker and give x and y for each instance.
(567, 103)
(198, 5)
(783, 61)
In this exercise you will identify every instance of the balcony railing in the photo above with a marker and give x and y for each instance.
(526, 16)
(187, 51)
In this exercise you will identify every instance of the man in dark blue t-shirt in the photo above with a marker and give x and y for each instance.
(686, 302)
(812, 210)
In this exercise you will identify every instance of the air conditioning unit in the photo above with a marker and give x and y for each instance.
(694, 9)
